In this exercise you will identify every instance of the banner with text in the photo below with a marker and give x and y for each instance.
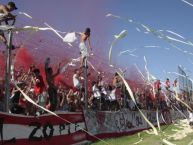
(111, 124)
(47, 129)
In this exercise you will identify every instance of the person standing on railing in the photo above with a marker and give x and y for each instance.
(84, 37)
(6, 16)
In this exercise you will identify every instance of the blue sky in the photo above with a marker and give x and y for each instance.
(75, 15)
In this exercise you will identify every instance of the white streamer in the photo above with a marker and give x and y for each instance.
(152, 46)
(175, 34)
(180, 41)
(93, 67)
(53, 30)
(121, 35)
(167, 142)
(157, 33)
(27, 15)
(138, 29)
(157, 117)
(125, 51)
(187, 3)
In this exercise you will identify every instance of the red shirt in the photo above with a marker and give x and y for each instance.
(22, 102)
(157, 85)
(167, 83)
(152, 96)
(175, 83)
(39, 86)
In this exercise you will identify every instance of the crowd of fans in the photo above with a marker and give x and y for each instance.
(102, 95)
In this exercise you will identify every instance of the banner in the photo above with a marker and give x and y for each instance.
(178, 115)
(47, 129)
(50, 130)
(123, 122)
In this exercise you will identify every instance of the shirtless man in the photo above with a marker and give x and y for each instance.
(52, 90)
(5, 16)
(85, 36)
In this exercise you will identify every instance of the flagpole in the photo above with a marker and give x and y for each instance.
(86, 83)
(8, 68)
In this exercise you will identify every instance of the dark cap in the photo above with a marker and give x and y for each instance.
(87, 31)
(12, 4)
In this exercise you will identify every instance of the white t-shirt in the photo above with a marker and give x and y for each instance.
(104, 91)
(96, 92)
(112, 96)
(76, 81)
(191, 116)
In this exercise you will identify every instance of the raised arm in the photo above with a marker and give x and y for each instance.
(47, 63)
(114, 81)
(78, 33)
(58, 71)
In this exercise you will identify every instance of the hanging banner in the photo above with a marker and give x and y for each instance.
(111, 124)
(47, 129)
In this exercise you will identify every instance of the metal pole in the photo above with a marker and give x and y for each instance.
(85, 84)
(124, 93)
(187, 90)
(7, 75)
(125, 97)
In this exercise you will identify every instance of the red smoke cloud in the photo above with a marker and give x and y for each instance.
(24, 58)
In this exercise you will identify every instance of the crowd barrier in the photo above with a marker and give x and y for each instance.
(50, 130)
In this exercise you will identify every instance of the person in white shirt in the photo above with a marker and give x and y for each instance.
(190, 118)
(95, 90)
(95, 98)
(114, 105)
(76, 79)
(77, 86)
(190, 111)
(101, 85)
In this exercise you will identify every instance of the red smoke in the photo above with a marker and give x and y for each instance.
(61, 80)
(135, 78)
(24, 58)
